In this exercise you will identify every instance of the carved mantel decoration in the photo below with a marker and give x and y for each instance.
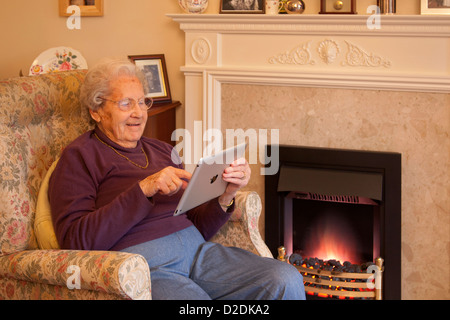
(328, 51)
(407, 53)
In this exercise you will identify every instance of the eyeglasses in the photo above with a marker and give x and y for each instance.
(127, 104)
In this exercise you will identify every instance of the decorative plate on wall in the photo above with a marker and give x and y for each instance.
(58, 59)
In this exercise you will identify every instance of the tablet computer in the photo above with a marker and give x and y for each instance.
(206, 182)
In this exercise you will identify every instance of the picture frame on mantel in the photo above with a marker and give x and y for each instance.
(242, 6)
(156, 81)
(337, 7)
(438, 7)
(88, 8)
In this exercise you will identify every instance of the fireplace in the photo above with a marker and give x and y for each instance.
(233, 81)
(337, 205)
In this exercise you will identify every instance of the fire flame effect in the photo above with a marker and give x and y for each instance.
(332, 239)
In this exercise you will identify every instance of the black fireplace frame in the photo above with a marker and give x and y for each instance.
(386, 163)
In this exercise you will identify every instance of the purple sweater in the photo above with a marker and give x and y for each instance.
(97, 203)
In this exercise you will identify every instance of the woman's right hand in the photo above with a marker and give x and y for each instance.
(168, 181)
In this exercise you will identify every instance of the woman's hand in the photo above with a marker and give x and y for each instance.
(168, 181)
(237, 175)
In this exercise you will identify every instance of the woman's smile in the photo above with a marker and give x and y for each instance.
(123, 127)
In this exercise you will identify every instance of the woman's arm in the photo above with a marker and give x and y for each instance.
(78, 223)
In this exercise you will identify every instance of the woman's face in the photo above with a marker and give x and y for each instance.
(123, 127)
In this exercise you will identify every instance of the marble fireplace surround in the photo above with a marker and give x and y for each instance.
(329, 81)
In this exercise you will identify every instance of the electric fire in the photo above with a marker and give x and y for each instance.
(337, 215)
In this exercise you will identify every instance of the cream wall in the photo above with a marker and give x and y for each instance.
(128, 27)
(28, 28)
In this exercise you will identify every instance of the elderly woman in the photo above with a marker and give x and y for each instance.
(116, 190)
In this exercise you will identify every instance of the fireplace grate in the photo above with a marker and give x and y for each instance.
(339, 285)
(333, 283)
(331, 198)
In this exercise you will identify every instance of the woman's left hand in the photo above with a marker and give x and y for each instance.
(237, 175)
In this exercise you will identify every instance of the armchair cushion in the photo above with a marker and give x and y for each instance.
(43, 225)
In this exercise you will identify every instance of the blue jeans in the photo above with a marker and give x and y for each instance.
(183, 266)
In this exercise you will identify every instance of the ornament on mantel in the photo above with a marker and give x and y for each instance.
(294, 6)
(193, 6)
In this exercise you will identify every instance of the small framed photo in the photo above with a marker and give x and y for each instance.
(435, 7)
(242, 6)
(156, 81)
(88, 8)
(337, 7)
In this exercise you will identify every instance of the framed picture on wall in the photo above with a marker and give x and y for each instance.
(156, 81)
(242, 6)
(88, 8)
(435, 6)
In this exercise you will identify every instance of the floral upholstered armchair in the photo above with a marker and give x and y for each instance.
(39, 116)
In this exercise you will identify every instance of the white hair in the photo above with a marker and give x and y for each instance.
(98, 79)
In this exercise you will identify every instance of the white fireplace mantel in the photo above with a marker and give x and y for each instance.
(407, 53)
(401, 25)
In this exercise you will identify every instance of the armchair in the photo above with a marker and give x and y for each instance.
(39, 116)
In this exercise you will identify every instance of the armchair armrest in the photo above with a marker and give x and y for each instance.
(118, 273)
(242, 230)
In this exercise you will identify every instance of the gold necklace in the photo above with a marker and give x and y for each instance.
(134, 163)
